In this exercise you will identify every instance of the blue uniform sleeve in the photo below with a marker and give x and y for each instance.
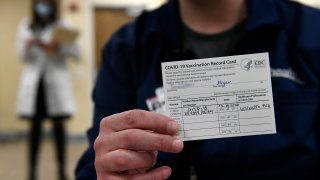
(114, 92)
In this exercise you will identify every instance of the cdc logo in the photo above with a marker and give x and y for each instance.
(259, 63)
(248, 64)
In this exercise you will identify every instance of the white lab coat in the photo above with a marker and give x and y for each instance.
(51, 66)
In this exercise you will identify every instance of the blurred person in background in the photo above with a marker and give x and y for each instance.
(45, 88)
(124, 143)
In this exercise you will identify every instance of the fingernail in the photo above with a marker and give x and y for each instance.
(173, 126)
(167, 173)
(155, 153)
(177, 144)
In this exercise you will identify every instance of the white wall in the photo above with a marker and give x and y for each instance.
(150, 4)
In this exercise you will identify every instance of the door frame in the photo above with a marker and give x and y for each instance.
(91, 7)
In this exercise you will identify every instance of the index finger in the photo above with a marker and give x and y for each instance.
(139, 119)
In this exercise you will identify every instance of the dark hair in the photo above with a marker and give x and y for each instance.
(37, 23)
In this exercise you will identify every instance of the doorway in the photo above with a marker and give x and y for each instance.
(106, 22)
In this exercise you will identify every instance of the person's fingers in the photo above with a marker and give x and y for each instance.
(159, 173)
(139, 140)
(128, 142)
(139, 119)
(143, 170)
(126, 160)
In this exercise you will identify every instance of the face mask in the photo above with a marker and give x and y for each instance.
(43, 10)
